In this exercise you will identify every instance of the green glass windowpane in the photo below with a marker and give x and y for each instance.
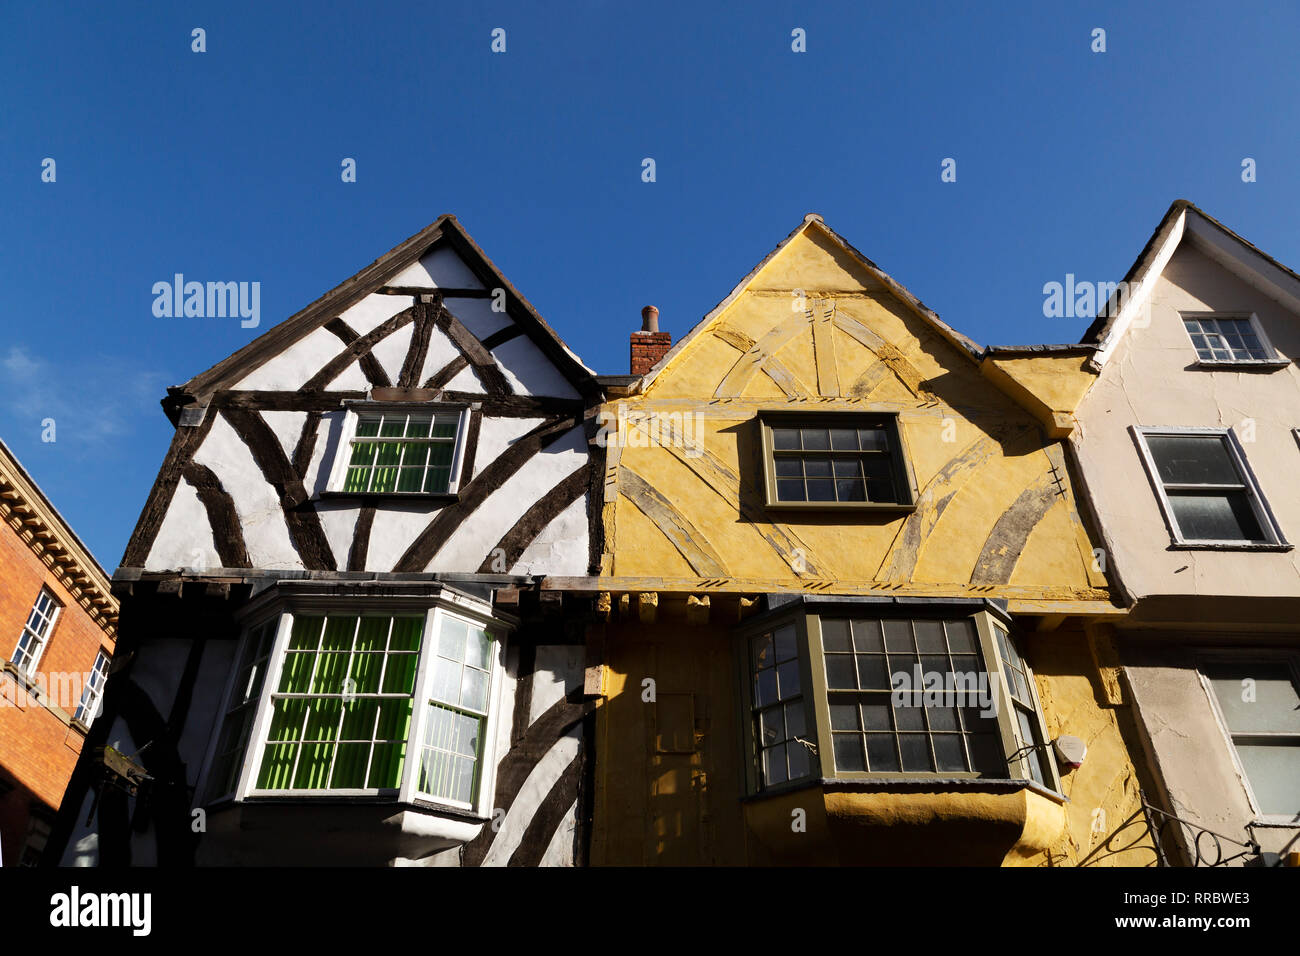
(416, 456)
(287, 718)
(295, 675)
(394, 719)
(372, 634)
(331, 671)
(350, 767)
(410, 479)
(359, 719)
(314, 766)
(338, 634)
(406, 633)
(440, 454)
(390, 454)
(418, 426)
(437, 481)
(306, 632)
(445, 428)
(365, 672)
(385, 480)
(363, 454)
(356, 479)
(323, 719)
(367, 426)
(399, 674)
(386, 766)
(392, 427)
(277, 765)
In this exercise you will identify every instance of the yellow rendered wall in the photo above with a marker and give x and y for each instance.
(981, 462)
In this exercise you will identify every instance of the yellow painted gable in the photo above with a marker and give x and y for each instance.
(816, 329)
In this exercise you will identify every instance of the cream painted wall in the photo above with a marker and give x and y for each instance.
(1149, 381)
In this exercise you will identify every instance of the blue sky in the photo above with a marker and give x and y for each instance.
(225, 165)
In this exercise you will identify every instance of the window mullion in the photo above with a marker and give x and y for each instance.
(419, 717)
(255, 748)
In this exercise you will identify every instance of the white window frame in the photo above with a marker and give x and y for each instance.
(1272, 357)
(407, 791)
(42, 639)
(92, 695)
(352, 415)
(1254, 494)
(1237, 657)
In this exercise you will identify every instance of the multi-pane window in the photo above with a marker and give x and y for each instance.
(833, 460)
(1025, 726)
(1224, 339)
(1261, 708)
(881, 716)
(36, 633)
(401, 452)
(250, 676)
(341, 713)
(778, 706)
(840, 691)
(93, 693)
(452, 745)
(1205, 489)
(362, 704)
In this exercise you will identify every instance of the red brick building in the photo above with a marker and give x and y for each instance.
(58, 625)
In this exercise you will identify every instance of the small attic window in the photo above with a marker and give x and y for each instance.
(835, 460)
(1229, 339)
(400, 450)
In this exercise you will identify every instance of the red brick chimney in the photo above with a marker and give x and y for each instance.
(649, 345)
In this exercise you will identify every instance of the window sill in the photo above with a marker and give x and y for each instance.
(388, 495)
(1277, 822)
(1228, 546)
(837, 506)
(1254, 365)
(901, 784)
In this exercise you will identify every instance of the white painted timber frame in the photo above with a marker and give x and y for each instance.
(1271, 361)
(1236, 657)
(434, 609)
(1263, 513)
(352, 410)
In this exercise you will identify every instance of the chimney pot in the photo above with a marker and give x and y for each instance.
(650, 319)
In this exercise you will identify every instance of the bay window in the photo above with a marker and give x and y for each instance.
(852, 690)
(389, 704)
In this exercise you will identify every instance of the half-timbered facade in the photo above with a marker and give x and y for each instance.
(821, 497)
(315, 669)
